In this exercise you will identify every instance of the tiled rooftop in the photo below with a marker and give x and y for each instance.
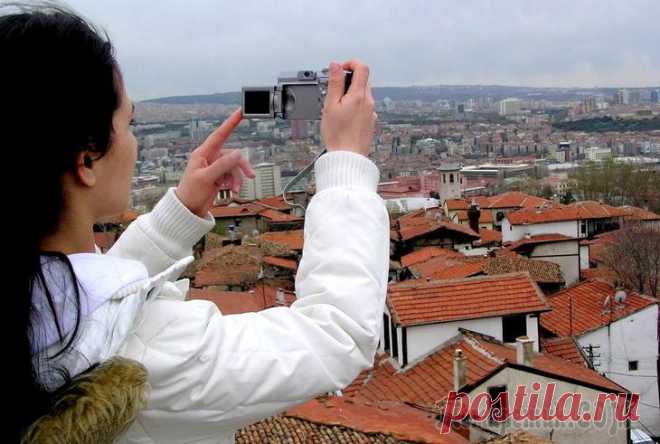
(558, 213)
(281, 262)
(430, 379)
(565, 348)
(539, 239)
(278, 216)
(581, 308)
(542, 272)
(424, 302)
(426, 253)
(515, 199)
(292, 239)
(229, 265)
(243, 210)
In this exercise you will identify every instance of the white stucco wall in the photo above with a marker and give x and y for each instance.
(565, 254)
(512, 378)
(517, 232)
(584, 257)
(424, 338)
(633, 338)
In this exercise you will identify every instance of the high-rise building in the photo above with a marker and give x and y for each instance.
(267, 183)
(510, 106)
(655, 96)
(635, 96)
(622, 97)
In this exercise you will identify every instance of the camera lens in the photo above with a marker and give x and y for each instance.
(307, 73)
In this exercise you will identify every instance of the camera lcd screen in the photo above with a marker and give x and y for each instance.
(257, 102)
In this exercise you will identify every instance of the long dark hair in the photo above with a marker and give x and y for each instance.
(59, 82)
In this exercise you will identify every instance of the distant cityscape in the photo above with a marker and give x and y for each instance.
(525, 252)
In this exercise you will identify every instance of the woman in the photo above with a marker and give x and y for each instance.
(65, 125)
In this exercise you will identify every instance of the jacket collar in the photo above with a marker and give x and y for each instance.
(100, 278)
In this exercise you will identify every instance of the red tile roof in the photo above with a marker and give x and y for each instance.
(427, 226)
(427, 268)
(588, 306)
(105, 241)
(230, 302)
(459, 271)
(515, 199)
(275, 202)
(244, 210)
(464, 204)
(485, 217)
(558, 213)
(292, 239)
(392, 418)
(539, 239)
(278, 216)
(426, 253)
(429, 380)
(634, 213)
(565, 348)
(489, 236)
(420, 302)
(281, 262)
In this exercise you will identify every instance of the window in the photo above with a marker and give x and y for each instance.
(513, 327)
(633, 366)
(583, 227)
(500, 405)
(386, 332)
(444, 178)
(451, 178)
(395, 341)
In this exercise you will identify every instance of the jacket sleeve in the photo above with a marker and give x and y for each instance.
(216, 371)
(165, 235)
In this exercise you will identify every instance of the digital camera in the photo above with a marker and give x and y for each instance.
(297, 96)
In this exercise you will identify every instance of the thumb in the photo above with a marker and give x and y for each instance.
(335, 83)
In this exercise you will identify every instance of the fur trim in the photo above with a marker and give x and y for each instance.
(96, 407)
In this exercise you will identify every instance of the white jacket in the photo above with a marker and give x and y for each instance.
(212, 374)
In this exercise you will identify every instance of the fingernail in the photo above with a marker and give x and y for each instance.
(334, 67)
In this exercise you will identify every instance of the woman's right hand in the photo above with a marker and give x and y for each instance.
(349, 121)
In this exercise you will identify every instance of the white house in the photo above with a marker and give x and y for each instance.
(620, 332)
(420, 315)
(580, 219)
(565, 251)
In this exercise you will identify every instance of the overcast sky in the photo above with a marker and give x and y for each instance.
(176, 47)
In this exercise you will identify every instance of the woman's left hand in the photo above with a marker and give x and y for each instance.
(211, 168)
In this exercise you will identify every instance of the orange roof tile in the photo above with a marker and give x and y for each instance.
(576, 211)
(281, 262)
(393, 418)
(427, 226)
(275, 202)
(427, 268)
(459, 271)
(539, 239)
(420, 302)
(228, 265)
(278, 216)
(515, 199)
(230, 302)
(430, 379)
(486, 216)
(426, 253)
(635, 213)
(464, 204)
(292, 239)
(586, 307)
(235, 211)
(565, 348)
(489, 236)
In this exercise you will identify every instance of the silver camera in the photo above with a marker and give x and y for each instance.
(297, 96)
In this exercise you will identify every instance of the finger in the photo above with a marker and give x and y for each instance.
(360, 76)
(217, 138)
(237, 179)
(335, 83)
(223, 165)
(368, 92)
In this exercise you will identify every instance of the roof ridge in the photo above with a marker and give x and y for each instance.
(468, 336)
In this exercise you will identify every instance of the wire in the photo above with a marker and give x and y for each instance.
(297, 178)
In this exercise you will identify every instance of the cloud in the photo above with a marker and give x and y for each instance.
(170, 47)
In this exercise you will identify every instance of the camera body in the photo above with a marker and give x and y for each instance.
(297, 96)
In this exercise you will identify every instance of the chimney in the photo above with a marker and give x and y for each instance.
(459, 369)
(279, 297)
(524, 350)
(473, 214)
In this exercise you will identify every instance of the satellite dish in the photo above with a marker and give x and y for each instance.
(620, 296)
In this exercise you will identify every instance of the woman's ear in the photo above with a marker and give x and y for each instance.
(84, 171)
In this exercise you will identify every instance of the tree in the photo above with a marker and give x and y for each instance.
(634, 256)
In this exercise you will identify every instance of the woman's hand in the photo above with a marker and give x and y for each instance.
(349, 121)
(211, 168)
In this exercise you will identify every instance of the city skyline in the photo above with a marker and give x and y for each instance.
(170, 49)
